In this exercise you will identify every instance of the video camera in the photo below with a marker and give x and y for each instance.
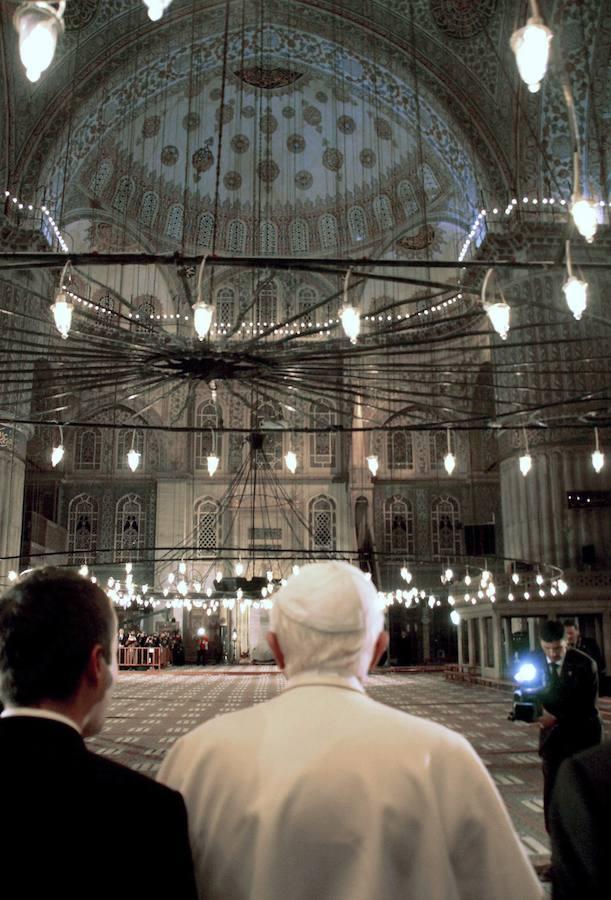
(527, 706)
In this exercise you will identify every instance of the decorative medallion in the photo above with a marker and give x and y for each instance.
(240, 143)
(202, 160)
(79, 14)
(169, 155)
(288, 112)
(216, 94)
(332, 159)
(295, 143)
(303, 180)
(226, 112)
(267, 77)
(268, 170)
(367, 158)
(248, 112)
(268, 123)
(462, 18)
(340, 93)
(322, 97)
(382, 127)
(418, 241)
(151, 126)
(232, 181)
(312, 115)
(191, 121)
(193, 89)
(346, 124)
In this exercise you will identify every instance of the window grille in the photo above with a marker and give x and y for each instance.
(148, 208)
(322, 524)
(398, 526)
(400, 450)
(236, 237)
(123, 194)
(383, 212)
(322, 445)
(299, 236)
(205, 230)
(272, 441)
(144, 316)
(206, 418)
(175, 222)
(82, 529)
(88, 449)
(407, 199)
(266, 307)
(225, 306)
(327, 228)
(446, 527)
(207, 526)
(130, 523)
(101, 178)
(268, 237)
(438, 448)
(357, 224)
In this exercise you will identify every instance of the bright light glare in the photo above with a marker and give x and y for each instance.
(133, 459)
(374, 464)
(526, 464)
(598, 460)
(499, 315)
(585, 216)
(531, 46)
(351, 322)
(57, 454)
(449, 462)
(576, 293)
(526, 673)
(62, 313)
(212, 462)
(455, 617)
(202, 318)
(38, 30)
(290, 460)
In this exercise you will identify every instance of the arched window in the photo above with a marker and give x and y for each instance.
(206, 419)
(357, 224)
(101, 178)
(322, 444)
(205, 230)
(446, 528)
(175, 222)
(327, 228)
(268, 237)
(407, 199)
(299, 236)
(143, 316)
(236, 236)
(82, 529)
(124, 445)
(271, 456)
(307, 297)
(105, 310)
(225, 307)
(383, 212)
(207, 521)
(430, 182)
(438, 448)
(400, 449)
(130, 522)
(398, 526)
(322, 524)
(123, 194)
(88, 449)
(266, 306)
(148, 208)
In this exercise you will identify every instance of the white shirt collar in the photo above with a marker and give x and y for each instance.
(327, 679)
(36, 713)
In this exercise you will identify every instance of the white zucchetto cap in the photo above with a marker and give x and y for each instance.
(332, 597)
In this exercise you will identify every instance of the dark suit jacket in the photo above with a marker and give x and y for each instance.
(76, 826)
(573, 701)
(580, 826)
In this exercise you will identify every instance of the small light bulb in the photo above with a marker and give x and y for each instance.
(455, 617)
(62, 311)
(212, 462)
(57, 454)
(576, 293)
(585, 216)
(219, 576)
(351, 322)
(598, 460)
(291, 461)
(133, 459)
(449, 462)
(467, 579)
(202, 318)
(296, 569)
(239, 568)
(84, 570)
(515, 578)
(531, 45)
(373, 464)
(448, 574)
(12, 575)
(156, 8)
(525, 464)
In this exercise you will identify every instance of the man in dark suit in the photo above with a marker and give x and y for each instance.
(569, 721)
(66, 812)
(580, 826)
(587, 645)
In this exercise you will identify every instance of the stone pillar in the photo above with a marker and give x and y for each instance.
(13, 442)
(532, 639)
(471, 638)
(459, 633)
(426, 633)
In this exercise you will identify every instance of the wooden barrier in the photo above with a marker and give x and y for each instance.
(143, 657)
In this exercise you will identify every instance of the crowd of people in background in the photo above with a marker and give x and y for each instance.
(168, 640)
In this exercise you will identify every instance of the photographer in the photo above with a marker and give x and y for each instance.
(569, 719)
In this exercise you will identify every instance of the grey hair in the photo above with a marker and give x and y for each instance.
(307, 650)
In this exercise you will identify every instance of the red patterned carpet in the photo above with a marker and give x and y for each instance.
(151, 710)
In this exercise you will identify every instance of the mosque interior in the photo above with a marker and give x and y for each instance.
(311, 279)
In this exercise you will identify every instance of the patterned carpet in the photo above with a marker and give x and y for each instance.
(150, 711)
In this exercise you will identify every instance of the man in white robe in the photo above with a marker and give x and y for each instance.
(324, 794)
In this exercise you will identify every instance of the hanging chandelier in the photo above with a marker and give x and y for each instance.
(156, 8)
(531, 45)
(498, 311)
(39, 26)
(202, 311)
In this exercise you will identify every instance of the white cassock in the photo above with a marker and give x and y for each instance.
(324, 794)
